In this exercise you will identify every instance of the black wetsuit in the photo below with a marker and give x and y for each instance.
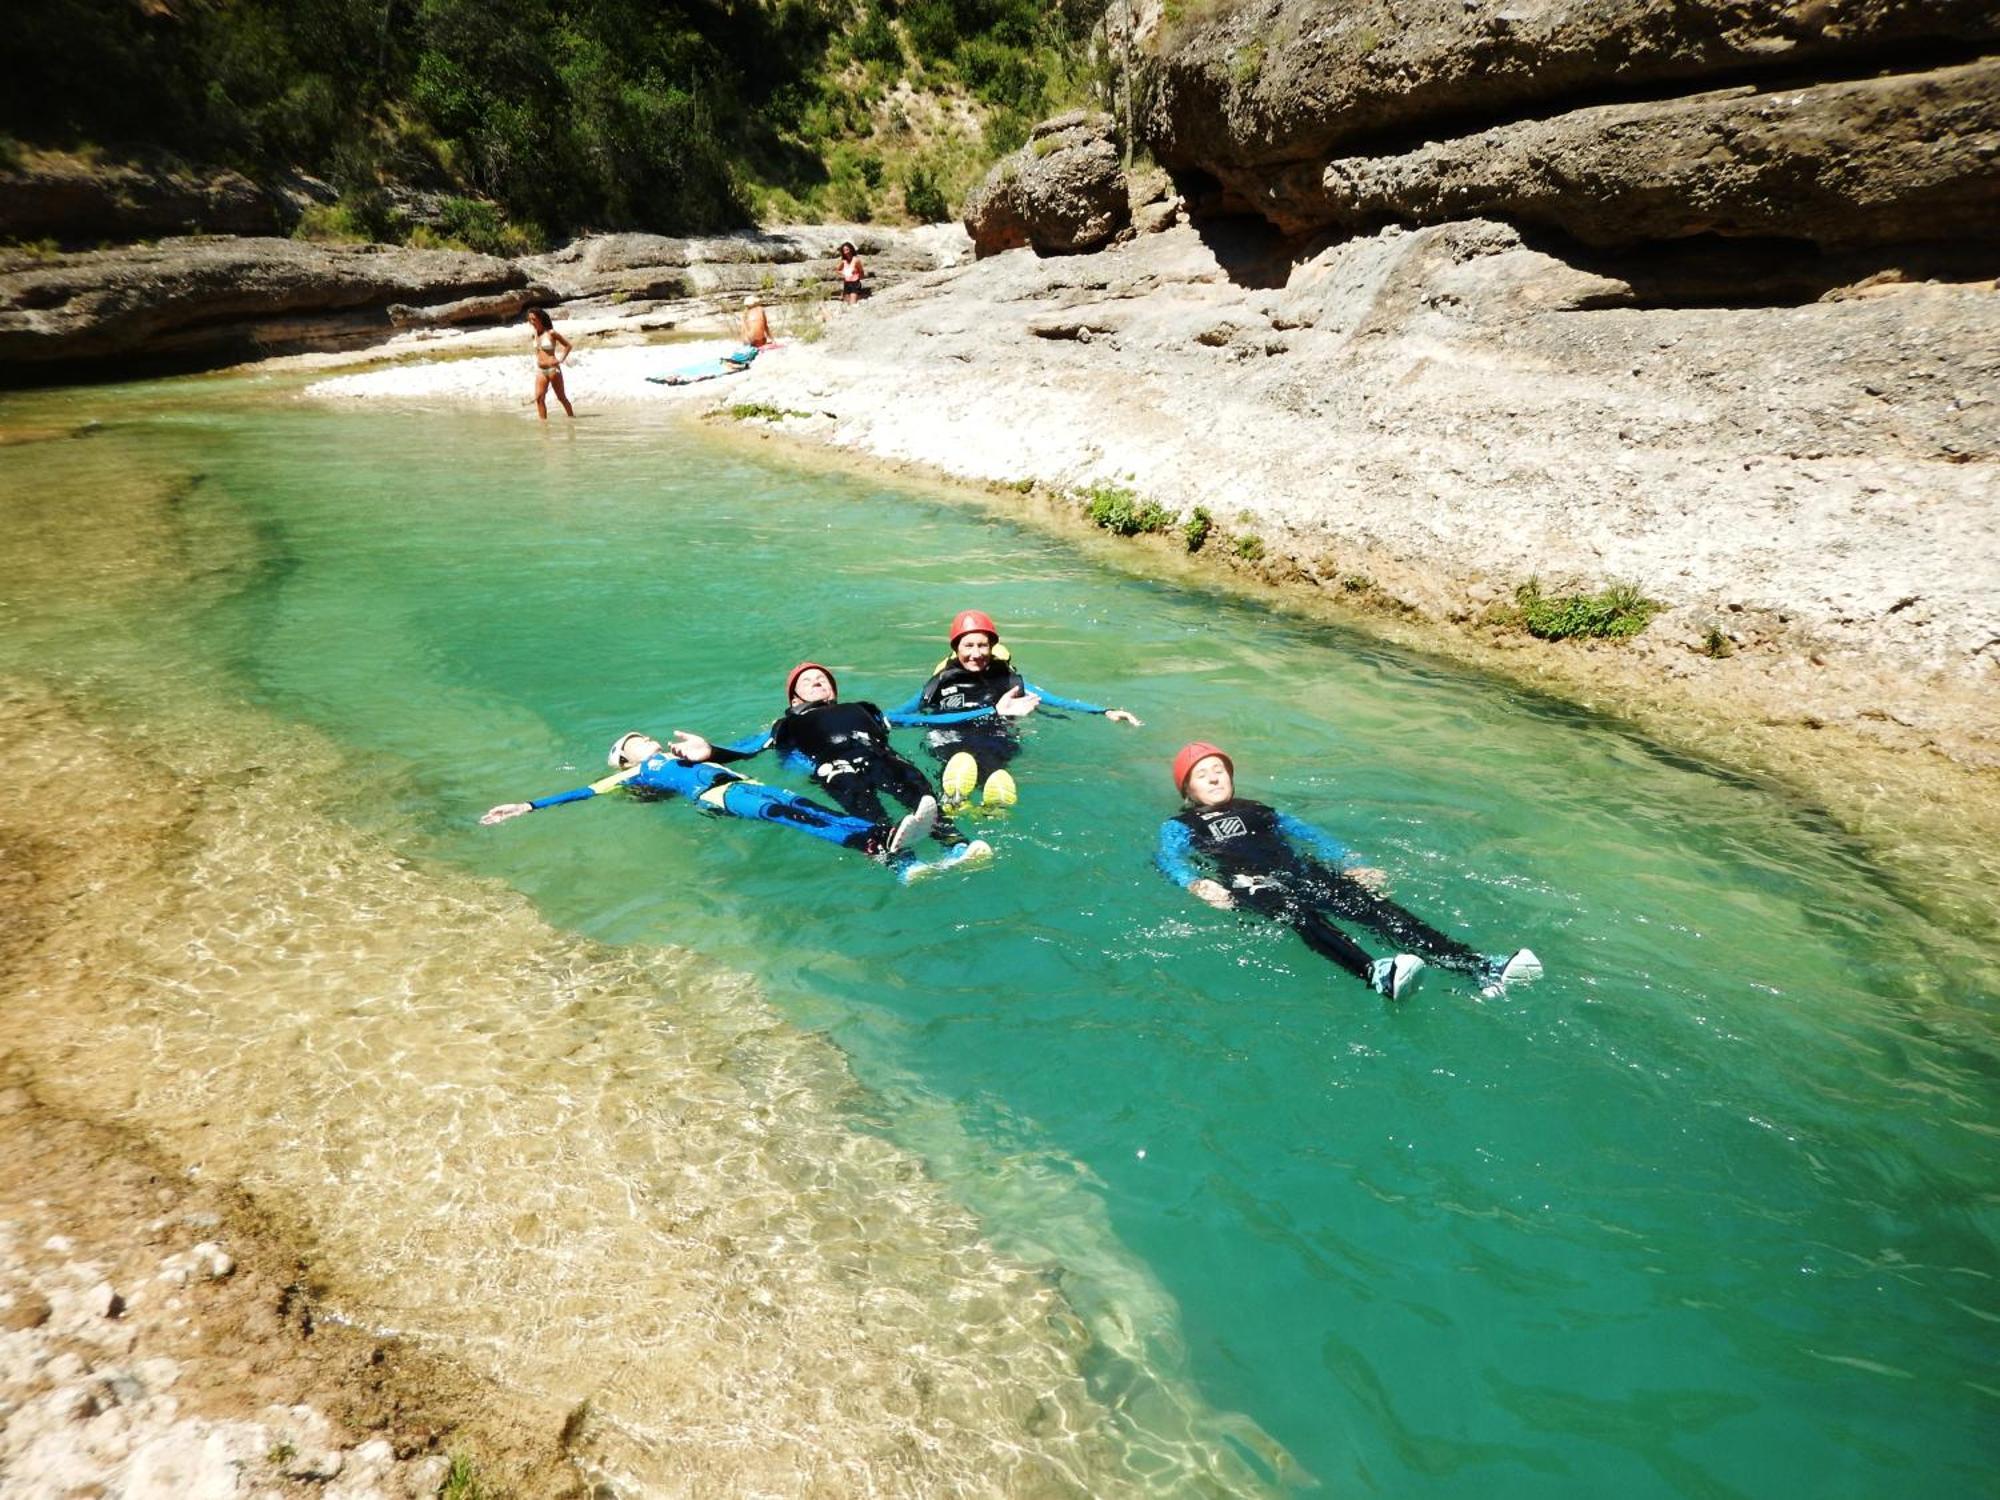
(1255, 852)
(847, 746)
(989, 739)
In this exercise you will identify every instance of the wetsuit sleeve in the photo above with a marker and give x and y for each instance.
(1315, 840)
(743, 749)
(1051, 700)
(912, 704)
(1175, 854)
(904, 717)
(608, 784)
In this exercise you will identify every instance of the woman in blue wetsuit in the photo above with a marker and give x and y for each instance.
(846, 746)
(979, 675)
(647, 769)
(1232, 852)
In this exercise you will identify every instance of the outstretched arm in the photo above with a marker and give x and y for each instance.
(685, 745)
(1175, 857)
(1077, 705)
(508, 810)
(906, 716)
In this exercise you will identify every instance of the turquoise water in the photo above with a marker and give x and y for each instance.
(1709, 1211)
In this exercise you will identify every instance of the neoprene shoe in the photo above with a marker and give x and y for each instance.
(961, 775)
(1395, 978)
(914, 826)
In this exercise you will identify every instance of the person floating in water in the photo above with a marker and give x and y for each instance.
(1235, 853)
(980, 675)
(551, 349)
(648, 769)
(847, 746)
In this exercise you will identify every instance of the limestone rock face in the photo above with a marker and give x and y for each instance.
(1874, 161)
(201, 300)
(1333, 113)
(1061, 194)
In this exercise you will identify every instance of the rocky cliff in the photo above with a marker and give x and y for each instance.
(1839, 123)
(208, 301)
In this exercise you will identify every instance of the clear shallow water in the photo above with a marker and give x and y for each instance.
(1707, 1212)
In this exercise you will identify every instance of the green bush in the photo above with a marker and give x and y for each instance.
(923, 199)
(1247, 546)
(851, 200)
(479, 225)
(1122, 513)
(1614, 613)
(1196, 529)
(340, 223)
(874, 40)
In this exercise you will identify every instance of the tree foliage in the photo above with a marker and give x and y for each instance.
(569, 114)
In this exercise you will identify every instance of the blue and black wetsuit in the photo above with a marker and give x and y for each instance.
(712, 789)
(846, 745)
(990, 740)
(1280, 867)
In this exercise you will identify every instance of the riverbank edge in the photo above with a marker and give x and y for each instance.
(1922, 802)
(229, 1340)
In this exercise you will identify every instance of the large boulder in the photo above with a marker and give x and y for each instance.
(1061, 194)
(200, 301)
(1251, 107)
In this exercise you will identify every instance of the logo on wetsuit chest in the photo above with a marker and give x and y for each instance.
(1231, 827)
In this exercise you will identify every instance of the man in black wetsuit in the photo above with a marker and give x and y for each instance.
(979, 675)
(1281, 867)
(847, 747)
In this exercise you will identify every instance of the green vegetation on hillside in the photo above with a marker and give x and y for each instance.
(533, 120)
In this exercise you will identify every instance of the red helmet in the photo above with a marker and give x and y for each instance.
(1191, 756)
(968, 620)
(792, 680)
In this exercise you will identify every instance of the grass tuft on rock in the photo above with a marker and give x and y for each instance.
(461, 1481)
(760, 411)
(1615, 613)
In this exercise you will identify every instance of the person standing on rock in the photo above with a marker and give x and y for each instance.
(551, 349)
(1234, 853)
(851, 272)
(978, 680)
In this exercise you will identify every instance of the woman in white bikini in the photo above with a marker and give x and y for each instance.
(551, 349)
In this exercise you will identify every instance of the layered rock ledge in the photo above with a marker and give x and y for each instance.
(210, 301)
(1322, 115)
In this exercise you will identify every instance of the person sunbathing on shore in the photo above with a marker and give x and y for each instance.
(551, 349)
(847, 747)
(755, 326)
(648, 769)
(1235, 853)
(980, 676)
